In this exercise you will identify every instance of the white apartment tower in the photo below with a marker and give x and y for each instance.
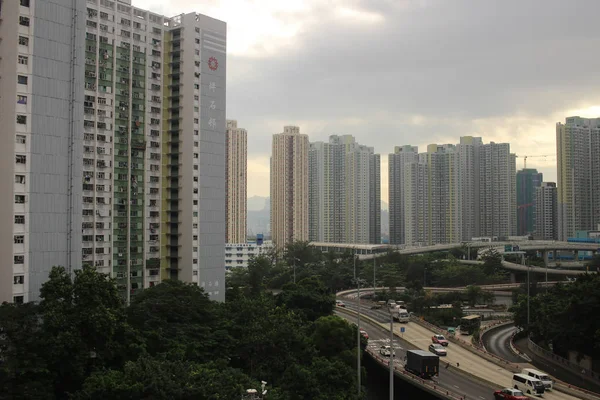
(344, 194)
(452, 193)
(41, 103)
(100, 129)
(546, 211)
(236, 192)
(578, 172)
(289, 187)
(397, 213)
(497, 190)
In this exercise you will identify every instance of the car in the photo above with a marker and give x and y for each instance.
(440, 339)
(509, 394)
(437, 349)
(386, 351)
(364, 333)
(340, 303)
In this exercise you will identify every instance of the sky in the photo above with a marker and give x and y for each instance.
(396, 72)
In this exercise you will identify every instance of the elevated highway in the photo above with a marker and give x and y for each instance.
(467, 361)
(541, 245)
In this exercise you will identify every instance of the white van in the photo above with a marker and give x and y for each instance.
(527, 384)
(542, 376)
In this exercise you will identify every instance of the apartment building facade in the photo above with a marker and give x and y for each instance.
(344, 194)
(546, 211)
(452, 193)
(289, 187)
(41, 98)
(98, 114)
(578, 175)
(236, 192)
(397, 214)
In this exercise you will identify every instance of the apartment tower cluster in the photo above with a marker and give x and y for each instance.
(451, 193)
(114, 154)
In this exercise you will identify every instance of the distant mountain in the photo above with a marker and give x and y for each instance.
(256, 203)
(259, 216)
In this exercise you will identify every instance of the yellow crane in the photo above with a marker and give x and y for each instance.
(537, 156)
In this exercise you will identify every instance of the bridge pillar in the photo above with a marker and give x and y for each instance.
(513, 278)
(545, 255)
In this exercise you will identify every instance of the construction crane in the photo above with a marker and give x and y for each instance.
(539, 156)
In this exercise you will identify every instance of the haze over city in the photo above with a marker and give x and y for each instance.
(457, 68)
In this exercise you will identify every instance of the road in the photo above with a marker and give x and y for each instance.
(497, 342)
(469, 362)
(448, 379)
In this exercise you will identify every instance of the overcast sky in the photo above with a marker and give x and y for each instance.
(396, 72)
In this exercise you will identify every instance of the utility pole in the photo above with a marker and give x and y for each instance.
(358, 349)
(391, 354)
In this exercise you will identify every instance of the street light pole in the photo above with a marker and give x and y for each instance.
(294, 270)
(391, 355)
(374, 286)
(358, 350)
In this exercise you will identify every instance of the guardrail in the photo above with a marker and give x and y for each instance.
(563, 362)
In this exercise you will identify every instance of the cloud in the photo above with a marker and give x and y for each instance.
(394, 72)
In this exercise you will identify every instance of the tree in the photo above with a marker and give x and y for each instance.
(474, 293)
(159, 379)
(309, 298)
(179, 321)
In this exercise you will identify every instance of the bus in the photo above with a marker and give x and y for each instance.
(469, 324)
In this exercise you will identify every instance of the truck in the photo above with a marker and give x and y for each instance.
(422, 363)
(402, 315)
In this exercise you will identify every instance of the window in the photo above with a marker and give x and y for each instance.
(20, 139)
(19, 279)
(19, 198)
(24, 3)
(23, 21)
(19, 259)
(21, 79)
(19, 178)
(18, 299)
(19, 219)
(21, 159)
(21, 119)
(19, 239)
(21, 99)
(22, 60)
(23, 41)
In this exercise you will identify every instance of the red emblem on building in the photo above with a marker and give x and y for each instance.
(213, 64)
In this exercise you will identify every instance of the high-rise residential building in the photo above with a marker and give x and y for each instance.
(416, 202)
(546, 211)
(41, 98)
(396, 162)
(497, 190)
(444, 213)
(193, 147)
(578, 172)
(344, 192)
(528, 180)
(100, 129)
(289, 187)
(468, 153)
(236, 192)
(452, 193)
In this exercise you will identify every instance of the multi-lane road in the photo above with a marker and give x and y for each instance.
(497, 342)
(469, 362)
(448, 379)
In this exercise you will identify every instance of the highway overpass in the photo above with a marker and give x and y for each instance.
(541, 245)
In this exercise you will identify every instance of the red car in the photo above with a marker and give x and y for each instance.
(440, 339)
(364, 333)
(509, 394)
